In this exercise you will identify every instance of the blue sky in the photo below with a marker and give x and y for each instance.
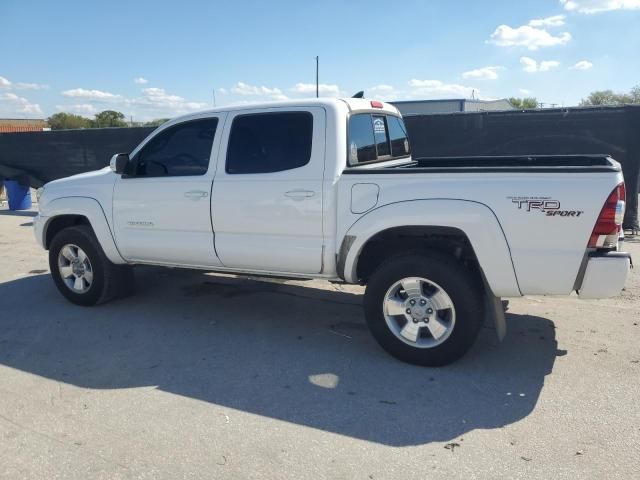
(153, 59)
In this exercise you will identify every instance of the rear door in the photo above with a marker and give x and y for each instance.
(161, 206)
(267, 194)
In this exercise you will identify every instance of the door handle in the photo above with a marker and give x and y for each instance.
(196, 194)
(299, 194)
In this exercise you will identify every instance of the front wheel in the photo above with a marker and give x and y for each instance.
(81, 270)
(424, 309)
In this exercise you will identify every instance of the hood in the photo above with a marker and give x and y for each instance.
(95, 177)
(97, 185)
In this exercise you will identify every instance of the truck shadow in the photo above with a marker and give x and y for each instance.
(289, 352)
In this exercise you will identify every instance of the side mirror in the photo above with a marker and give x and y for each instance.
(119, 162)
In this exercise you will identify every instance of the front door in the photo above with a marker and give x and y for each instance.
(162, 205)
(267, 193)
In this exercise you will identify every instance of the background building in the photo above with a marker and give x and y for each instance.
(428, 107)
(11, 125)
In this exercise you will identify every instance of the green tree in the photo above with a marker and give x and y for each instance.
(109, 118)
(156, 123)
(66, 121)
(609, 97)
(524, 103)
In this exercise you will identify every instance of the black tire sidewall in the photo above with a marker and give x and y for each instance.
(82, 237)
(458, 282)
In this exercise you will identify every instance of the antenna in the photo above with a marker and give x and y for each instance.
(317, 76)
(360, 94)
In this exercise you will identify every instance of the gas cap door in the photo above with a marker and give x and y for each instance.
(364, 196)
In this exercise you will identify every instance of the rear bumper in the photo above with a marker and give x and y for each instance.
(605, 274)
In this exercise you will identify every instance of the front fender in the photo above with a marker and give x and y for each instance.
(89, 208)
(475, 219)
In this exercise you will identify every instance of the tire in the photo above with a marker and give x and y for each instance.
(431, 334)
(107, 280)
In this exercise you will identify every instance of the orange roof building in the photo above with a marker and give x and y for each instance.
(11, 125)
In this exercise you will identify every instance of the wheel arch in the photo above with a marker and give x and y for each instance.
(69, 211)
(436, 224)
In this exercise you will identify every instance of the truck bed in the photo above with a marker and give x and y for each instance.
(545, 206)
(516, 163)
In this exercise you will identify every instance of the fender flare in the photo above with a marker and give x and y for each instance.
(476, 220)
(91, 209)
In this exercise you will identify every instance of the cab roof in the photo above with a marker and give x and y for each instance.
(353, 104)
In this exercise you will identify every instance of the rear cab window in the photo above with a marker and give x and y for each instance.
(376, 137)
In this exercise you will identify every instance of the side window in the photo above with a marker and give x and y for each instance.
(398, 136)
(362, 145)
(376, 138)
(269, 142)
(181, 150)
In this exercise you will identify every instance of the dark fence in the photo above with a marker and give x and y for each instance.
(39, 157)
(605, 130)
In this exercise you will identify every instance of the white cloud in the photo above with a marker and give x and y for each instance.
(531, 66)
(325, 90)
(223, 91)
(158, 98)
(583, 65)
(438, 89)
(84, 109)
(555, 21)
(381, 89)
(596, 6)
(33, 108)
(381, 92)
(12, 104)
(152, 103)
(242, 88)
(5, 83)
(531, 36)
(246, 89)
(140, 81)
(484, 73)
(524, 91)
(547, 65)
(31, 86)
(92, 94)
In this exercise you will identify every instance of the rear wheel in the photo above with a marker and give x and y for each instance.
(81, 270)
(424, 309)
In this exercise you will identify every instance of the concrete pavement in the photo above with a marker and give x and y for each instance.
(213, 376)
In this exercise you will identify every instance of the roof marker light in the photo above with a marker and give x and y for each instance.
(376, 104)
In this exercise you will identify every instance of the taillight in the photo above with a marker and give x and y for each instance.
(607, 229)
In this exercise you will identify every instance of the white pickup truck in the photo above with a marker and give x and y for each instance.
(328, 189)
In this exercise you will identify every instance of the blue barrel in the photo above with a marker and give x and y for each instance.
(19, 195)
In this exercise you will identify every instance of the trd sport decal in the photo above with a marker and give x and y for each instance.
(545, 205)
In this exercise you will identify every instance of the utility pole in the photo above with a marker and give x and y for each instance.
(214, 97)
(317, 73)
